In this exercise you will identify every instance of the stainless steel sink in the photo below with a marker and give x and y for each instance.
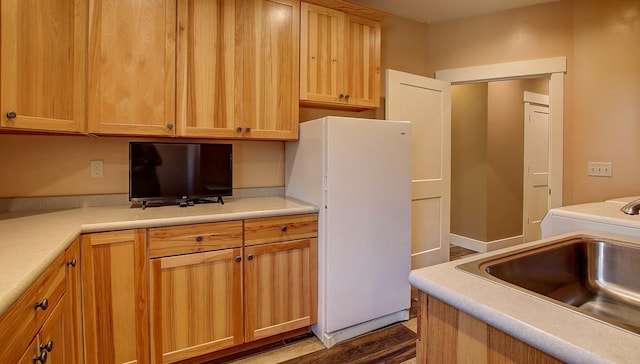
(599, 278)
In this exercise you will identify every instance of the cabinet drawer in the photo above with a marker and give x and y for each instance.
(281, 228)
(187, 239)
(20, 323)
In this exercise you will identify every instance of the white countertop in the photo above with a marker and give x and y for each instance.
(30, 242)
(559, 331)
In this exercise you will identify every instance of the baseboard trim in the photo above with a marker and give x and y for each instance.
(485, 246)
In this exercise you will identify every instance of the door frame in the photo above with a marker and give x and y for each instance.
(554, 68)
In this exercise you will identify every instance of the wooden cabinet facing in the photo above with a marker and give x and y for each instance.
(238, 68)
(114, 297)
(43, 64)
(36, 317)
(195, 298)
(73, 305)
(280, 274)
(339, 58)
(132, 67)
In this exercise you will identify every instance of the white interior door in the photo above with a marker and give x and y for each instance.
(426, 103)
(536, 168)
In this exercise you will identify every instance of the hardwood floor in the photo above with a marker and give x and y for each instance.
(392, 344)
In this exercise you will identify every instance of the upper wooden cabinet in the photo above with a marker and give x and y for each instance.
(238, 68)
(339, 58)
(132, 67)
(43, 64)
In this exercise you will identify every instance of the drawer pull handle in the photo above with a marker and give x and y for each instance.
(11, 115)
(284, 228)
(198, 238)
(250, 256)
(42, 304)
(238, 258)
(48, 346)
(40, 358)
(72, 262)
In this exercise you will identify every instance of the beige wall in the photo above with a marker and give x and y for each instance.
(602, 85)
(469, 160)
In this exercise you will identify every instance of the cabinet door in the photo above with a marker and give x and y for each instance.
(114, 296)
(43, 64)
(132, 67)
(321, 46)
(73, 305)
(52, 337)
(209, 67)
(196, 304)
(271, 31)
(31, 354)
(280, 287)
(362, 62)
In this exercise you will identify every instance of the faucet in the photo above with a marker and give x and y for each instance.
(632, 208)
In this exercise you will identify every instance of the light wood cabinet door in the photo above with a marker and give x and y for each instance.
(196, 304)
(280, 287)
(43, 64)
(362, 59)
(132, 67)
(340, 59)
(271, 31)
(73, 305)
(238, 68)
(209, 67)
(114, 297)
(321, 46)
(31, 352)
(52, 338)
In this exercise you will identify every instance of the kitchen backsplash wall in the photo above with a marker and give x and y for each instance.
(35, 165)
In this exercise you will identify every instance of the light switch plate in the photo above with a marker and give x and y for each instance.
(600, 169)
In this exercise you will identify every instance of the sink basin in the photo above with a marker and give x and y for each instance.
(599, 278)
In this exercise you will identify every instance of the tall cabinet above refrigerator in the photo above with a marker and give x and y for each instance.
(358, 172)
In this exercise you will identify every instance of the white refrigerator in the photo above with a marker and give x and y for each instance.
(358, 172)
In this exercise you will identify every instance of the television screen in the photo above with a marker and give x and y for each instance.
(179, 171)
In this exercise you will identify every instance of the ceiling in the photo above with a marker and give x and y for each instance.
(435, 11)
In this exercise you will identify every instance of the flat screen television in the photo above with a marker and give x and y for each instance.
(163, 172)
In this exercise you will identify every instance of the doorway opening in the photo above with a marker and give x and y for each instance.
(489, 157)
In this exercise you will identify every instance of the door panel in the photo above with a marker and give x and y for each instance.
(536, 167)
(427, 104)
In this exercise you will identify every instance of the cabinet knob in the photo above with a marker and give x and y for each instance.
(72, 262)
(247, 130)
(42, 305)
(239, 129)
(169, 126)
(198, 238)
(238, 258)
(250, 256)
(346, 97)
(341, 96)
(283, 228)
(48, 346)
(42, 358)
(11, 114)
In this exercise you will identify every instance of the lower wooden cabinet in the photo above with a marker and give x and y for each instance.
(196, 304)
(49, 346)
(40, 326)
(448, 335)
(114, 297)
(280, 287)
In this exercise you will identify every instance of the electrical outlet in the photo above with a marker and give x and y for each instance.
(97, 169)
(600, 169)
